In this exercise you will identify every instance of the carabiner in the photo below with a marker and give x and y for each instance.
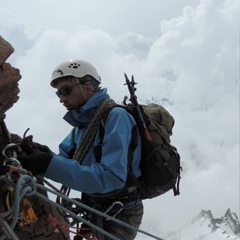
(14, 162)
(112, 206)
(15, 166)
(8, 146)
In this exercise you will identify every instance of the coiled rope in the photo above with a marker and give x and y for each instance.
(27, 186)
(90, 209)
(91, 131)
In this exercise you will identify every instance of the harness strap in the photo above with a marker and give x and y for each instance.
(99, 223)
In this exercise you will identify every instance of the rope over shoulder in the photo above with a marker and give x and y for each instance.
(91, 131)
(87, 140)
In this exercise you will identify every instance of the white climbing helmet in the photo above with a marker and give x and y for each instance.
(76, 68)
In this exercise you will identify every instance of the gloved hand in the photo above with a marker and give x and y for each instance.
(27, 147)
(3, 170)
(27, 142)
(35, 161)
(40, 147)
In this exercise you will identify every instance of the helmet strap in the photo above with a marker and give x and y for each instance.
(81, 89)
(83, 93)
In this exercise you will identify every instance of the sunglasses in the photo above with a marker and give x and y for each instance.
(65, 91)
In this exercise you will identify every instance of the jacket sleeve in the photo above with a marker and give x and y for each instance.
(111, 173)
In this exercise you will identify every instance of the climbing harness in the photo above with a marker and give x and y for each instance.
(91, 210)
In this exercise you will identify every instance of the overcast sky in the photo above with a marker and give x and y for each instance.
(186, 51)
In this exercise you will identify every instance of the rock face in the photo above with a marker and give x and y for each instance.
(40, 229)
(9, 77)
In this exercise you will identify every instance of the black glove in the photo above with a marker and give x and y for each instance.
(35, 161)
(42, 148)
(27, 142)
(3, 170)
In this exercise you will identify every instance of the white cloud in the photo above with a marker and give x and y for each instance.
(192, 60)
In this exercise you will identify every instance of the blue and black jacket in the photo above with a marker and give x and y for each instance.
(109, 173)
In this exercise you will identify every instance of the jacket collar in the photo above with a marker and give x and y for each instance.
(83, 117)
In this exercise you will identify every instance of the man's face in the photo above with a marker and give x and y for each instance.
(70, 94)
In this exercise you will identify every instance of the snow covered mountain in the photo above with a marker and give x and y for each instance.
(206, 227)
(203, 227)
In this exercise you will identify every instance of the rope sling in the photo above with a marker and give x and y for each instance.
(91, 131)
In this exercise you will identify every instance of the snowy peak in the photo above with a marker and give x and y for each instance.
(230, 220)
(229, 224)
(205, 227)
(203, 214)
(205, 217)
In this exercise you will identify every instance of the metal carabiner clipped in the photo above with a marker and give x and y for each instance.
(112, 206)
(10, 145)
(12, 163)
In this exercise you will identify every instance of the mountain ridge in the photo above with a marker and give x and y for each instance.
(202, 227)
(205, 227)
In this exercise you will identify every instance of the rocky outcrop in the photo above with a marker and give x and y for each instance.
(40, 229)
(9, 77)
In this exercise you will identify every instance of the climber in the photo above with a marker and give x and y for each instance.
(100, 171)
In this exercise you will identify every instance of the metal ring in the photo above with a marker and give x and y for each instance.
(8, 146)
(12, 160)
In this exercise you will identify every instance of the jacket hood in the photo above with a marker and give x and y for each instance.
(83, 117)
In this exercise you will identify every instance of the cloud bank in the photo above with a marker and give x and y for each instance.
(192, 59)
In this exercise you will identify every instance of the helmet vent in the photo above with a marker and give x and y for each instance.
(74, 65)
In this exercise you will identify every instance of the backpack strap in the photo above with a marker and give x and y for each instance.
(129, 191)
